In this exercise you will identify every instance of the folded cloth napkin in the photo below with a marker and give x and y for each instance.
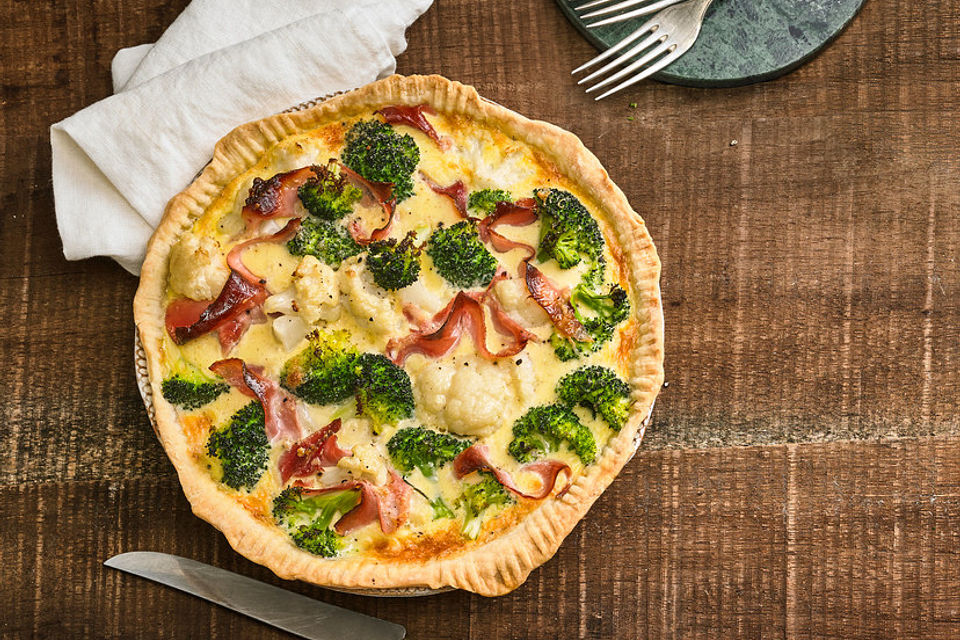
(221, 63)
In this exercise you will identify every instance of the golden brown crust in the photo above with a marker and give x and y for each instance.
(495, 567)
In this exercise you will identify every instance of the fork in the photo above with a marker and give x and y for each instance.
(669, 35)
(652, 7)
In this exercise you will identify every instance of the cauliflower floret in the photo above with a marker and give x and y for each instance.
(513, 295)
(491, 166)
(431, 383)
(371, 306)
(317, 291)
(475, 399)
(471, 396)
(197, 268)
(289, 330)
(284, 302)
(368, 461)
(420, 296)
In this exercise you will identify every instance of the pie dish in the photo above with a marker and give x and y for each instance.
(401, 339)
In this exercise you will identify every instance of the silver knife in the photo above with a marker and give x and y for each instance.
(292, 612)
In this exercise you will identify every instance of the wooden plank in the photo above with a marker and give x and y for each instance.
(822, 541)
(810, 285)
(69, 408)
(809, 274)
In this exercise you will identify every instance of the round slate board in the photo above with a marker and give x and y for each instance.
(742, 41)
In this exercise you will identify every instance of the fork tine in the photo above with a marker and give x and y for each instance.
(626, 4)
(646, 73)
(591, 4)
(617, 47)
(655, 36)
(654, 53)
(642, 11)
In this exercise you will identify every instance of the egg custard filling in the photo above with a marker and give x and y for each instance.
(398, 333)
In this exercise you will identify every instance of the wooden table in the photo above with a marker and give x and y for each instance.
(809, 232)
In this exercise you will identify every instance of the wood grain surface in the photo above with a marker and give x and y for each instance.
(809, 232)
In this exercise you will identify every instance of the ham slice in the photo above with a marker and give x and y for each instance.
(515, 214)
(237, 298)
(413, 117)
(442, 333)
(379, 192)
(502, 321)
(504, 244)
(505, 324)
(274, 197)
(235, 257)
(279, 408)
(438, 335)
(229, 333)
(476, 457)
(457, 193)
(185, 312)
(555, 303)
(435, 341)
(309, 456)
(235, 309)
(390, 504)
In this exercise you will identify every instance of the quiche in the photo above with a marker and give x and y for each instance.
(401, 339)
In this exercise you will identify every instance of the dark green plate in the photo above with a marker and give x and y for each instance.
(743, 41)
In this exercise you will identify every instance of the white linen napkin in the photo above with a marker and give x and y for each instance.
(220, 64)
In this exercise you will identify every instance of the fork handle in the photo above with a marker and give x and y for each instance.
(702, 7)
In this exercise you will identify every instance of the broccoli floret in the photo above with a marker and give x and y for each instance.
(460, 256)
(476, 499)
(568, 233)
(291, 507)
(383, 389)
(612, 307)
(308, 519)
(441, 509)
(326, 241)
(242, 447)
(394, 265)
(566, 349)
(378, 153)
(189, 389)
(598, 389)
(329, 196)
(330, 370)
(543, 429)
(317, 539)
(424, 449)
(325, 371)
(599, 313)
(288, 504)
(485, 200)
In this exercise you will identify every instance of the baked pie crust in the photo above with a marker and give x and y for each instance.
(502, 559)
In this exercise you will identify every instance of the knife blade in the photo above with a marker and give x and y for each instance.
(292, 612)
